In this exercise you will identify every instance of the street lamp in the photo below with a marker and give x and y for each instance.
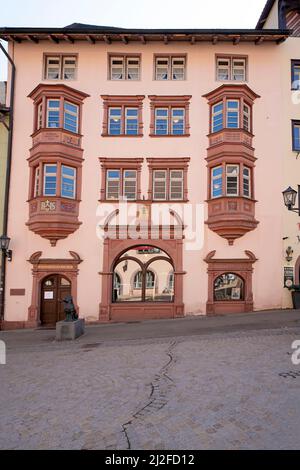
(289, 197)
(4, 246)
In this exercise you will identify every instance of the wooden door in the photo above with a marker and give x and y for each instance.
(54, 289)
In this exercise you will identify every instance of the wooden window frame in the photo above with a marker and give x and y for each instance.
(123, 102)
(73, 178)
(61, 57)
(120, 164)
(241, 102)
(170, 58)
(168, 164)
(125, 58)
(240, 180)
(170, 102)
(42, 109)
(231, 58)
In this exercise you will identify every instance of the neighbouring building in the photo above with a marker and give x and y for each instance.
(194, 123)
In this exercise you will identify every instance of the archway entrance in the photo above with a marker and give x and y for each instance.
(54, 289)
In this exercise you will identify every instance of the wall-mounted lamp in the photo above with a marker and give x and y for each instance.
(289, 254)
(4, 246)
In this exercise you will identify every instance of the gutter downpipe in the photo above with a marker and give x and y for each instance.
(7, 181)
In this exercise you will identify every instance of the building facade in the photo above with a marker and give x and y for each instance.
(147, 172)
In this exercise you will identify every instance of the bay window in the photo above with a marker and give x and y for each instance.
(237, 115)
(237, 181)
(52, 180)
(68, 119)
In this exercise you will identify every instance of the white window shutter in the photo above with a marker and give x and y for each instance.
(176, 184)
(160, 185)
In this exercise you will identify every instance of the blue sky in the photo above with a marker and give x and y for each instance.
(131, 13)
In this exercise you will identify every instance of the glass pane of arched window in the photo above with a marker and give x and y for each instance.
(160, 286)
(127, 286)
(229, 287)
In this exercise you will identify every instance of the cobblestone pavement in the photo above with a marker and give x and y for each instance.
(218, 391)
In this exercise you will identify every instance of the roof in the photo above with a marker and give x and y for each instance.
(265, 13)
(108, 34)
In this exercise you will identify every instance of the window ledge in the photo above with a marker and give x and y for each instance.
(122, 135)
(169, 135)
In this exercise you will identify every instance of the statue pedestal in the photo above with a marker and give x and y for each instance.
(69, 330)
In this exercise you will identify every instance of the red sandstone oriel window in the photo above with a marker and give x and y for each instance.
(237, 181)
(60, 67)
(237, 115)
(66, 116)
(52, 182)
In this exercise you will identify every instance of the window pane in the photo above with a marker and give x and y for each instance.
(68, 182)
(223, 69)
(178, 125)
(50, 180)
(158, 286)
(70, 117)
(162, 69)
(217, 182)
(161, 121)
(232, 175)
(117, 68)
(228, 287)
(246, 117)
(113, 184)
(133, 69)
(114, 121)
(69, 68)
(296, 136)
(131, 121)
(52, 68)
(217, 117)
(239, 70)
(246, 182)
(233, 114)
(296, 77)
(178, 69)
(159, 185)
(129, 183)
(127, 286)
(176, 185)
(53, 113)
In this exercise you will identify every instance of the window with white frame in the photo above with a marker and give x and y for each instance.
(68, 182)
(217, 117)
(40, 116)
(217, 182)
(70, 117)
(160, 185)
(177, 124)
(127, 188)
(36, 189)
(231, 68)
(115, 121)
(232, 180)
(232, 114)
(130, 184)
(131, 121)
(161, 121)
(112, 184)
(246, 117)
(170, 68)
(246, 182)
(50, 180)
(60, 67)
(124, 68)
(176, 185)
(53, 107)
